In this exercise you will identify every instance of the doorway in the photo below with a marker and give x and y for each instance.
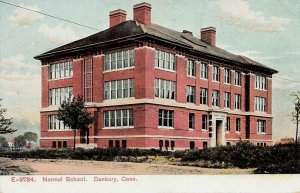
(219, 132)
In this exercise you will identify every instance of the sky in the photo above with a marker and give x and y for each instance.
(266, 31)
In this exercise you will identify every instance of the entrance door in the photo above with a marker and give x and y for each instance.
(219, 132)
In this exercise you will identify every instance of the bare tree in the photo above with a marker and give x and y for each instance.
(295, 114)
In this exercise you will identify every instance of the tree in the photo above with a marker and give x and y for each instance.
(3, 142)
(295, 114)
(74, 115)
(30, 136)
(4, 122)
(20, 141)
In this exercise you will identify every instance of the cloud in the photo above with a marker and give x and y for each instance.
(58, 35)
(284, 83)
(25, 18)
(17, 76)
(16, 62)
(240, 14)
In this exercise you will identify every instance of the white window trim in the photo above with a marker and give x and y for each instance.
(121, 69)
(118, 127)
(164, 127)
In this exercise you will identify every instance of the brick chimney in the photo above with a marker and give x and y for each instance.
(208, 35)
(116, 17)
(142, 13)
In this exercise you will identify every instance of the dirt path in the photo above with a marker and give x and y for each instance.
(102, 167)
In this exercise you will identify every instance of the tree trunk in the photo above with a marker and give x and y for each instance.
(74, 139)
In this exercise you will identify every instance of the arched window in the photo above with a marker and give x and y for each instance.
(167, 144)
(161, 144)
(172, 145)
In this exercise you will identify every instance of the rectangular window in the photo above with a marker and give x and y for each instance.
(88, 79)
(216, 74)
(125, 59)
(190, 94)
(203, 71)
(119, 89)
(228, 124)
(260, 104)
(166, 118)
(215, 98)
(119, 60)
(261, 126)
(113, 64)
(204, 122)
(237, 101)
(190, 68)
(227, 76)
(238, 125)
(59, 95)
(164, 89)
(191, 121)
(226, 100)
(165, 60)
(203, 96)
(237, 78)
(260, 82)
(61, 70)
(131, 57)
(55, 124)
(107, 62)
(118, 118)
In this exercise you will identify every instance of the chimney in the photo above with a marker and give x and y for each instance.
(187, 32)
(116, 17)
(208, 35)
(142, 13)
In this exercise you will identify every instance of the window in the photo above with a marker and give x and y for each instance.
(226, 100)
(119, 89)
(228, 124)
(58, 95)
(88, 79)
(260, 82)
(204, 144)
(261, 126)
(165, 89)
(203, 71)
(119, 60)
(238, 125)
(124, 144)
(166, 118)
(227, 76)
(216, 74)
(204, 122)
(191, 121)
(110, 144)
(165, 60)
(215, 98)
(237, 78)
(190, 94)
(55, 124)
(53, 144)
(167, 144)
(59, 144)
(61, 70)
(192, 145)
(118, 118)
(237, 101)
(190, 68)
(203, 96)
(65, 144)
(172, 145)
(160, 144)
(260, 104)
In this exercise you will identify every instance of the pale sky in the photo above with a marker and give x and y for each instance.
(266, 31)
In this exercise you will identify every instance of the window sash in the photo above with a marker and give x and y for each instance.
(204, 71)
(166, 118)
(203, 96)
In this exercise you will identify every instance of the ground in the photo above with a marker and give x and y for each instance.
(43, 166)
